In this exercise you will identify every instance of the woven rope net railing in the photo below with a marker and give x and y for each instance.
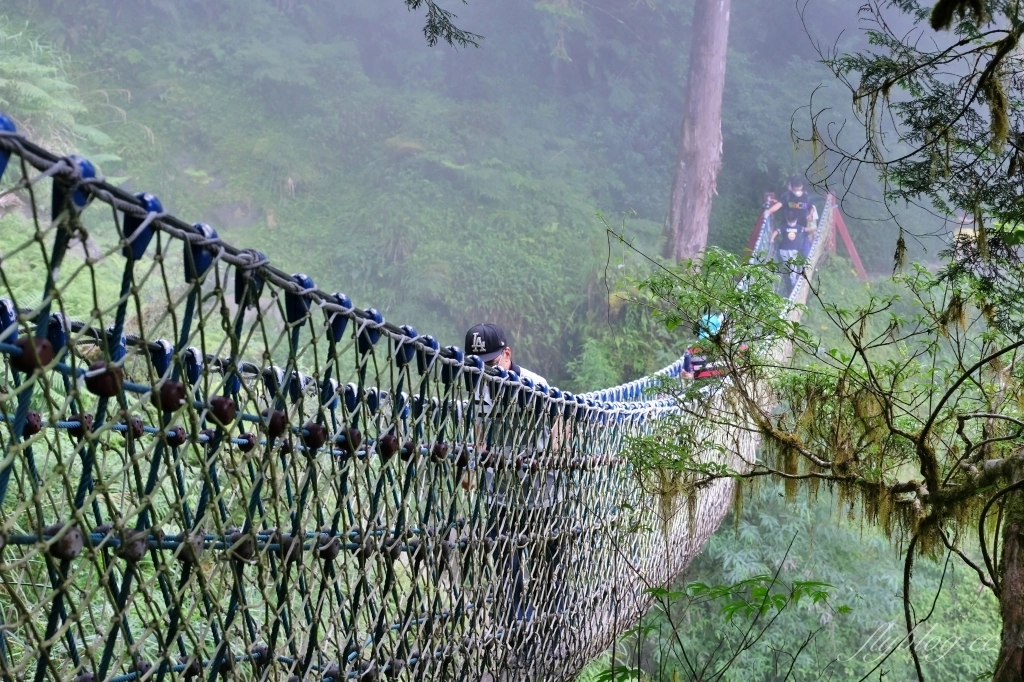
(212, 468)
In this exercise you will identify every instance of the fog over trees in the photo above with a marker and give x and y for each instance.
(451, 162)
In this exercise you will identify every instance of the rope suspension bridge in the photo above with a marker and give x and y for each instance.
(213, 468)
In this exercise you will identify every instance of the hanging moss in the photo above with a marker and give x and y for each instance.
(998, 106)
(944, 11)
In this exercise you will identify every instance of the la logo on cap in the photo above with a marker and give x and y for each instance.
(478, 343)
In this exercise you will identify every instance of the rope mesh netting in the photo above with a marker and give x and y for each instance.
(214, 468)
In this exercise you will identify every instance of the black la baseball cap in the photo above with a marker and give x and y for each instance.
(486, 341)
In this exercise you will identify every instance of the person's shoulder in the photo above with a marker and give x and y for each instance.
(532, 376)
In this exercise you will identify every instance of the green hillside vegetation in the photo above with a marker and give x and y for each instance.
(445, 187)
(957, 642)
(440, 186)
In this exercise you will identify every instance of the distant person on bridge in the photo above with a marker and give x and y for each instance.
(521, 500)
(695, 360)
(796, 239)
(796, 203)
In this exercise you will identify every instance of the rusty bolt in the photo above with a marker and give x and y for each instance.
(314, 436)
(84, 425)
(171, 396)
(69, 545)
(250, 442)
(439, 452)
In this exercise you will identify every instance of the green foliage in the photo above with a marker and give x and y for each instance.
(442, 187)
(593, 367)
(802, 538)
(932, 151)
(35, 89)
(449, 187)
(439, 25)
(722, 283)
(907, 401)
(25, 274)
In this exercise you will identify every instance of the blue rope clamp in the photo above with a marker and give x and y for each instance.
(138, 236)
(162, 356)
(406, 351)
(473, 378)
(249, 284)
(118, 346)
(82, 169)
(339, 321)
(298, 384)
(232, 383)
(586, 410)
(193, 365)
(555, 396)
(273, 378)
(351, 397)
(426, 354)
(329, 394)
(435, 410)
(539, 398)
(296, 305)
(524, 396)
(373, 399)
(570, 404)
(8, 320)
(6, 125)
(202, 256)
(418, 405)
(370, 334)
(57, 330)
(402, 405)
(448, 372)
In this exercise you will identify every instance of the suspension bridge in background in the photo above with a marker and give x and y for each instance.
(215, 469)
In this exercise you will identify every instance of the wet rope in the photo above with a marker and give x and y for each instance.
(215, 468)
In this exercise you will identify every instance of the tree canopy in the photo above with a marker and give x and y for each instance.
(439, 25)
(445, 194)
(426, 181)
(908, 402)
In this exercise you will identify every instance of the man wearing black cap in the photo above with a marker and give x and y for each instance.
(487, 342)
(520, 501)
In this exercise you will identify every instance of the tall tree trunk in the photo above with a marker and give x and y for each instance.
(1010, 663)
(700, 146)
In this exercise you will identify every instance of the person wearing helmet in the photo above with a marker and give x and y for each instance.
(695, 359)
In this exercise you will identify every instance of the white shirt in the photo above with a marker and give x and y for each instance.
(517, 487)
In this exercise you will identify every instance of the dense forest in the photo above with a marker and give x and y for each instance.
(806, 539)
(445, 186)
(426, 181)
